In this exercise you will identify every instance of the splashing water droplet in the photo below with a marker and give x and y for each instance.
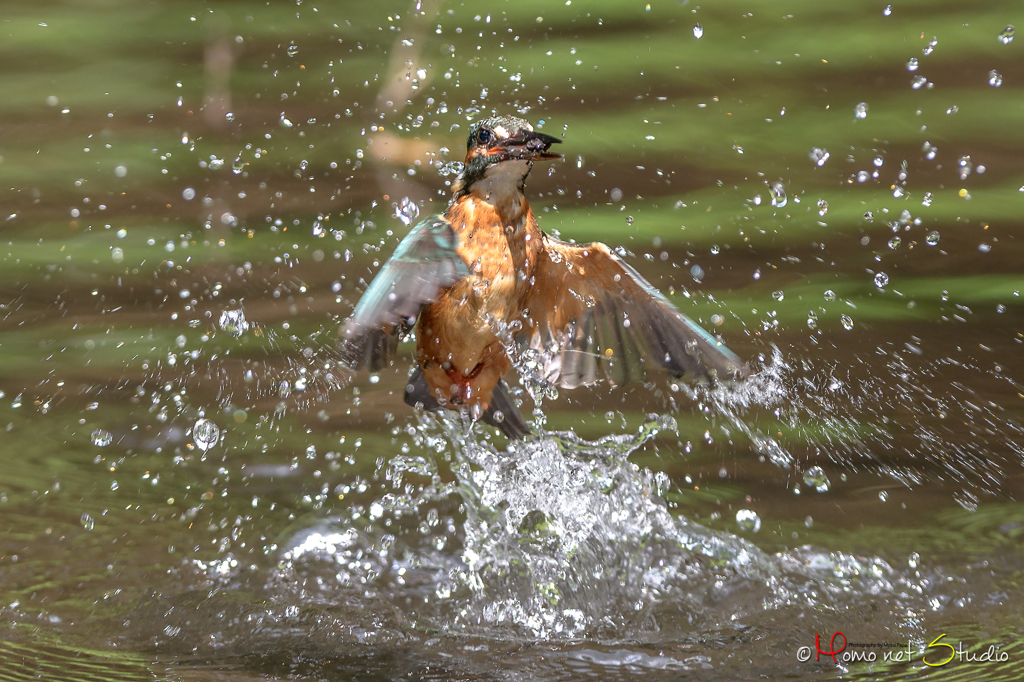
(883, 496)
(698, 31)
(932, 239)
(450, 168)
(912, 64)
(822, 207)
(861, 110)
(914, 560)
(205, 433)
(830, 295)
(407, 210)
(748, 520)
(293, 50)
(881, 279)
(697, 272)
(101, 438)
(661, 483)
(815, 477)
(1006, 37)
(778, 192)
(917, 82)
(233, 322)
(117, 254)
(931, 46)
(779, 295)
(818, 155)
(887, 11)
(87, 521)
(926, 200)
(847, 322)
(995, 79)
(894, 243)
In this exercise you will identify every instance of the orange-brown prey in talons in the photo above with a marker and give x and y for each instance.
(482, 277)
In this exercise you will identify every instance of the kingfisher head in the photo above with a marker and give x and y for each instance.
(501, 151)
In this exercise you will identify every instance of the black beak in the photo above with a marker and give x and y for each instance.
(529, 146)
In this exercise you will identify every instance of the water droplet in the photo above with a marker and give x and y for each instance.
(830, 295)
(847, 322)
(238, 165)
(1006, 37)
(778, 295)
(914, 560)
(912, 64)
(293, 50)
(233, 322)
(965, 165)
(188, 194)
(715, 249)
(120, 171)
(917, 82)
(863, 176)
(615, 195)
(995, 79)
(661, 483)
(87, 521)
(580, 161)
(205, 433)
(778, 192)
(117, 254)
(229, 117)
(815, 477)
(883, 496)
(931, 46)
(698, 31)
(822, 207)
(933, 238)
(926, 200)
(450, 168)
(407, 211)
(984, 248)
(285, 123)
(881, 279)
(812, 319)
(861, 110)
(697, 272)
(748, 520)
(101, 438)
(894, 243)
(808, 522)
(818, 155)
(887, 11)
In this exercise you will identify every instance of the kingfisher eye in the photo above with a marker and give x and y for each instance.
(484, 135)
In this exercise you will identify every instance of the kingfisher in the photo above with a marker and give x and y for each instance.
(481, 282)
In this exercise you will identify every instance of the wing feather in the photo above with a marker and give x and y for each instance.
(588, 309)
(424, 263)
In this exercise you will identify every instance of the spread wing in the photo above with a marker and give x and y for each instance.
(591, 312)
(424, 263)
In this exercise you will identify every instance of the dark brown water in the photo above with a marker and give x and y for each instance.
(195, 194)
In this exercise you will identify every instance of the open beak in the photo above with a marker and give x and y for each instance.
(528, 146)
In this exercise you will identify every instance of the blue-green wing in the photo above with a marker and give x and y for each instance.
(424, 263)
